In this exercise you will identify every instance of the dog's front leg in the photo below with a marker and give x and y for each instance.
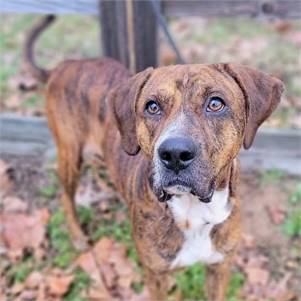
(157, 284)
(217, 278)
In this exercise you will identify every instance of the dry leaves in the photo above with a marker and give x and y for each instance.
(6, 179)
(41, 286)
(112, 272)
(260, 285)
(277, 213)
(21, 231)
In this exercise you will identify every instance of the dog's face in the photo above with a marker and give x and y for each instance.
(191, 120)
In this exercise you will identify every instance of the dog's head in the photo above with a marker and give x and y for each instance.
(191, 121)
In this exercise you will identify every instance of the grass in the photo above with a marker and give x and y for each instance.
(120, 231)
(50, 190)
(191, 284)
(33, 101)
(60, 241)
(295, 196)
(292, 224)
(81, 282)
(272, 176)
(19, 272)
(221, 31)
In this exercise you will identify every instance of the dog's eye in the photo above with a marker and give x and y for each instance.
(152, 107)
(216, 104)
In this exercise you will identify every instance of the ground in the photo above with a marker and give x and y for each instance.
(267, 266)
(37, 260)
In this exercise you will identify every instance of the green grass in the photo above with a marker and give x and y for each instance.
(272, 176)
(292, 224)
(295, 196)
(50, 190)
(81, 282)
(191, 284)
(19, 272)
(120, 231)
(236, 283)
(60, 241)
(33, 101)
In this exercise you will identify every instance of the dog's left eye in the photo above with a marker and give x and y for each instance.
(216, 104)
(152, 107)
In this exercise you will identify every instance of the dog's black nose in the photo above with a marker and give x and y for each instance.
(177, 153)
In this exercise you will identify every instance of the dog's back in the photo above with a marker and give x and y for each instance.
(78, 89)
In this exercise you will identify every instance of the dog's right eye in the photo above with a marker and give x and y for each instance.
(152, 107)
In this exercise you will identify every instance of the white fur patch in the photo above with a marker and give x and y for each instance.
(196, 220)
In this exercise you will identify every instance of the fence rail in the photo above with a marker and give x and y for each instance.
(284, 9)
(272, 148)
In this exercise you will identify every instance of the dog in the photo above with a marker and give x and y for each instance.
(170, 139)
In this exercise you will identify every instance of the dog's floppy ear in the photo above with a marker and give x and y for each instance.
(122, 104)
(262, 94)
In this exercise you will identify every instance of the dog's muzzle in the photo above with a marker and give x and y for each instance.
(176, 156)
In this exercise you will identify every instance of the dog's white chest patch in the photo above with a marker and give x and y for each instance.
(196, 220)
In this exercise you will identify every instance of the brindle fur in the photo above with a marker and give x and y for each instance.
(96, 112)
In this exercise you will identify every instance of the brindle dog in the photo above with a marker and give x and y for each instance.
(170, 138)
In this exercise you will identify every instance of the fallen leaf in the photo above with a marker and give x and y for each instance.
(14, 204)
(6, 178)
(257, 275)
(277, 213)
(23, 82)
(14, 101)
(22, 231)
(33, 280)
(295, 38)
(28, 295)
(108, 261)
(17, 288)
(282, 26)
(58, 285)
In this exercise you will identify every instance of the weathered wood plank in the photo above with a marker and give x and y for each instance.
(284, 9)
(272, 148)
(24, 136)
(57, 7)
(116, 39)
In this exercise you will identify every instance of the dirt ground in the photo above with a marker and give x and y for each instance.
(267, 266)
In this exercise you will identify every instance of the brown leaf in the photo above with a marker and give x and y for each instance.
(58, 285)
(17, 288)
(28, 295)
(24, 82)
(109, 258)
(33, 280)
(6, 178)
(295, 38)
(276, 213)
(22, 231)
(257, 275)
(14, 204)
(14, 101)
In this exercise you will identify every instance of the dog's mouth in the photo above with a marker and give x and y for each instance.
(179, 187)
